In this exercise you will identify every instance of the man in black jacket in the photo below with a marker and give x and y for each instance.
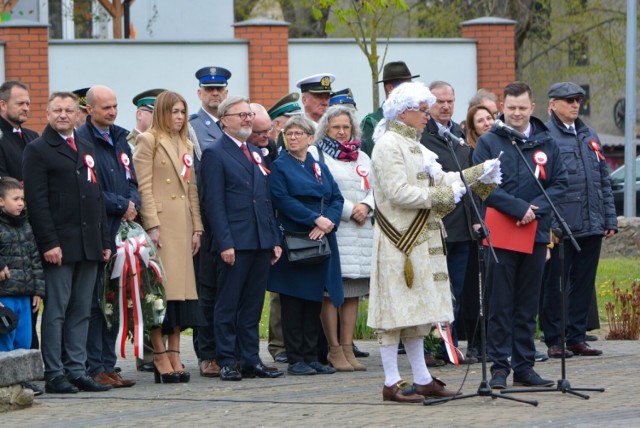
(114, 169)
(513, 284)
(588, 209)
(457, 223)
(14, 111)
(69, 224)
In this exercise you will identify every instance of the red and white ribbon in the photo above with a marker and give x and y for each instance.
(318, 172)
(258, 160)
(126, 162)
(444, 330)
(90, 163)
(187, 160)
(364, 174)
(540, 158)
(593, 144)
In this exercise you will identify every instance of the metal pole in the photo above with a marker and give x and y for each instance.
(630, 111)
(127, 15)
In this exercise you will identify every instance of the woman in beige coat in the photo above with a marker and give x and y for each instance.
(171, 216)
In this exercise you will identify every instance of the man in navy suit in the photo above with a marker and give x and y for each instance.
(237, 208)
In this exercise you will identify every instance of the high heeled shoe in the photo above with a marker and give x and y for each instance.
(184, 376)
(171, 377)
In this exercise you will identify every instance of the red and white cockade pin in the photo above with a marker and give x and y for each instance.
(124, 159)
(258, 160)
(540, 158)
(317, 171)
(596, 148)
(364, 174)
(90, 163)
(187, 160)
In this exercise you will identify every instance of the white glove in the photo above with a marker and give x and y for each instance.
(458, 191)
(492, 173)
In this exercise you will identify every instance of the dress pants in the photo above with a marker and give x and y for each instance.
(206, 280)
(238, 307)
(301, 328)
(65, 320)
(101, 342)
(276, 341)
(513, 293)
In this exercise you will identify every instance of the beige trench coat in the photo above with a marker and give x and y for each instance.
(402, 188)
(170, 203)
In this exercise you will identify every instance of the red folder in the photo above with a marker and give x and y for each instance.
(506, 235)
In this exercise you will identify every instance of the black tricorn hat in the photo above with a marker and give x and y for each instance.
(8, 320)
(396, 70)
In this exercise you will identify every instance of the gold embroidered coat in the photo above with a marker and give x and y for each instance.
(402, 189)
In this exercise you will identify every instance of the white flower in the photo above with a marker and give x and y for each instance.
(158, 305)
(108, 309)
(150, 298)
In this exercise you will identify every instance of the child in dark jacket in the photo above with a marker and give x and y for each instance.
(21, 276)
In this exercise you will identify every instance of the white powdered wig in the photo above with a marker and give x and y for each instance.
(407, 96)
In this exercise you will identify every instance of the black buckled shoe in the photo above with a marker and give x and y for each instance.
(230, 373)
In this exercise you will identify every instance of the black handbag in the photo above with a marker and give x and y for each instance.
(302, 250)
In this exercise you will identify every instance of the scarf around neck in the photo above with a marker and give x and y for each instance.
(346, 152)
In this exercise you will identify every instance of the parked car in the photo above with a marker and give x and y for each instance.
(617, 185)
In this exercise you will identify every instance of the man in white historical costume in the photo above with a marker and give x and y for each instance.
(409, 278)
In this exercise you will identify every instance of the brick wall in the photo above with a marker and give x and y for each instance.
(268, 58)
(496, 56)
(27, 59)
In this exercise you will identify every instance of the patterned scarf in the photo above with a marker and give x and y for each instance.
(346, 152)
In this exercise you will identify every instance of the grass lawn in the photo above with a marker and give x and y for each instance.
(624, 271)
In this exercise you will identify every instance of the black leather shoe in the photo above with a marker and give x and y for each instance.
(358, 353)
(260, 370)
(35, 388)
(86, 383)
(321, 368)
(230, 373)
(281, 358)
(59, 385)
(301, 369)
(146, 367)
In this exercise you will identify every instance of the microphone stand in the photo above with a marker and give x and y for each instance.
(484, 390)
(563, 385)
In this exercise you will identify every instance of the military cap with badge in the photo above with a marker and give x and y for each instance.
(213, 76)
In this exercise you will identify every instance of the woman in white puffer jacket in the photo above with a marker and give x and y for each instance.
(338, 146)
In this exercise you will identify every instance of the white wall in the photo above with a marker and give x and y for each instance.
(182, 20)
(130, 67)
(451, 60)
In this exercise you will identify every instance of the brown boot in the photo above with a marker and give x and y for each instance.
(337, 359)
(351, 358)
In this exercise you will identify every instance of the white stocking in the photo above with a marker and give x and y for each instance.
(415, 352)
(389, 355)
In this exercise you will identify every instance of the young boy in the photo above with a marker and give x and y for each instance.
(21, 277)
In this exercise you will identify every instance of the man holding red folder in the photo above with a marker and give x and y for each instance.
(513, 284)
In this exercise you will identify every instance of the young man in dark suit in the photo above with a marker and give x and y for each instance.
(237, 208)
(69, 223)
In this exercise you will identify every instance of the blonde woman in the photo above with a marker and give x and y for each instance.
(171, 216)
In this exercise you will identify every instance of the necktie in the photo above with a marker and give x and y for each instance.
(572, 129)
(245, 150)
(19, 132)
(72, 144)
(106, 137)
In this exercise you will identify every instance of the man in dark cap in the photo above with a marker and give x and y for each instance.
(82, 106)
(393, 74)
(587, 207)
(316, 91)
(282, 110)
(212, 91)
(344, 98)
(144, 102)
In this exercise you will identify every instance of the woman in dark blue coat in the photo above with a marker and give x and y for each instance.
(298, 186)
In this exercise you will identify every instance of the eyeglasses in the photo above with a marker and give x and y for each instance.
(243, 114)
(296, 134)
(262, 132)
(573, 100)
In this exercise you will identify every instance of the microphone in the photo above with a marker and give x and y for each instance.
(445, 133)
(500, 125)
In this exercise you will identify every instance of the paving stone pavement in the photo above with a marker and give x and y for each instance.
(348, 399)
